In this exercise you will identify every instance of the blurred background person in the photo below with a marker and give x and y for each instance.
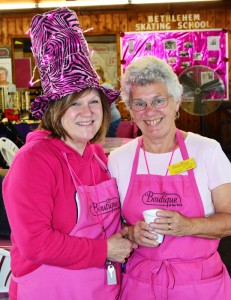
(115, 114)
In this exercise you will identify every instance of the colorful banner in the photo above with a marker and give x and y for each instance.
(181, 49)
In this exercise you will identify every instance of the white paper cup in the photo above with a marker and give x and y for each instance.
(150, 216)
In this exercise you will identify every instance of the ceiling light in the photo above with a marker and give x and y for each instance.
(81, 3)
(86, 3)
(167, 1)
(17, 6)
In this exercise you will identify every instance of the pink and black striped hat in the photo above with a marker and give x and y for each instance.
(62, 57)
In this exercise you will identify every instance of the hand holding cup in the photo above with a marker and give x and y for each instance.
(149, 217)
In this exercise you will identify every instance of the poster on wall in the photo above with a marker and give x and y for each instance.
(180, 49)
(7, 63)
(105, 55)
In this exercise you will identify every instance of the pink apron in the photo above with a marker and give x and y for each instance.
(99, 206)
(181, 267)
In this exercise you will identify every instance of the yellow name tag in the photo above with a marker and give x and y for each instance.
(182, 166)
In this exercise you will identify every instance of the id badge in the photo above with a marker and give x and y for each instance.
(111, 274)
(182, 166)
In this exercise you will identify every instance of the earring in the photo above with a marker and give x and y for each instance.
(177, 115)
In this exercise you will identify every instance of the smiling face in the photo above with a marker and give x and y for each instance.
(156, 125)
(83, 119)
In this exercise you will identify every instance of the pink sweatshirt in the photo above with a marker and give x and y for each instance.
(39, 196)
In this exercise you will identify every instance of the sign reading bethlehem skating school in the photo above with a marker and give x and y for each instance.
(178, 22)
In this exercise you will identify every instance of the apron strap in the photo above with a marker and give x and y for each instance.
(102, 164)
(191, 175)
(134, 165)
(181, 144)
(168, 281)
(75, 176)
(72, 172)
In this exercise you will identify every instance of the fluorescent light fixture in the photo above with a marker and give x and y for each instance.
(86, 3)
(81, 3)
(167, 1)
(17, 6)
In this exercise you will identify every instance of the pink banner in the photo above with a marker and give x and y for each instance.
(181, 49)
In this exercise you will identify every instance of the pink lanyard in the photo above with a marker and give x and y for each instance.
(145, 157)
(74, 175)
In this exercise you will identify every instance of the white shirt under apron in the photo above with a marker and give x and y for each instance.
(213, 167)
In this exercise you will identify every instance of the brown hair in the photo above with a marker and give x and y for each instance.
(53, 115)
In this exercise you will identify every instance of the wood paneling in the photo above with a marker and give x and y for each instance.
(5, 38)
(19, 27)
(26, 25)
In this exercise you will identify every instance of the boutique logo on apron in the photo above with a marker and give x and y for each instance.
(104, 207)
(161, 199)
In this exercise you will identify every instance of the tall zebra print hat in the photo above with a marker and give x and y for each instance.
(62, 57)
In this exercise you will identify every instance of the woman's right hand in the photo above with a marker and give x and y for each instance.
(143, 236)
(119, 248)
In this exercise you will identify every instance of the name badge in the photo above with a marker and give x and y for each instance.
(182, 166)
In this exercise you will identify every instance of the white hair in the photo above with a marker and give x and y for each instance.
(146, 70)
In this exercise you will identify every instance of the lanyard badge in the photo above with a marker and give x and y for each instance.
(111, 274)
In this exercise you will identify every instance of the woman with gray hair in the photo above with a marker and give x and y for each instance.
(187, 178)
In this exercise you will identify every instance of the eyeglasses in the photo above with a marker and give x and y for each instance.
(159, 102)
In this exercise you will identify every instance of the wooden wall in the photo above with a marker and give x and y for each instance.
(117, 20)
